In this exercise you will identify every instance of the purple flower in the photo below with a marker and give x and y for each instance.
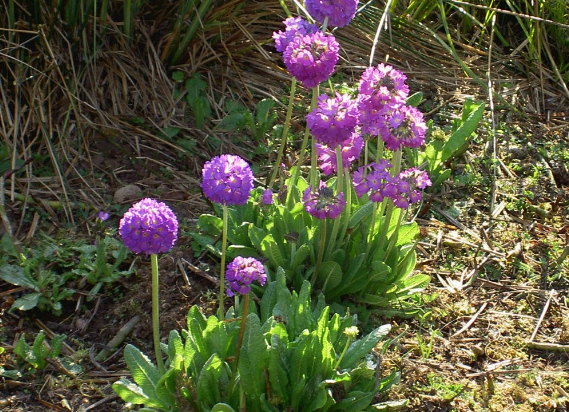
(241, 272)
(380, 89)
(227, 179)
(412, 181)
(339, 12)
(149, 227)
(311, 58)
(323, 204)
(403, 127)
(376, 180)
(351, 150)
(103, 215)
(295, 26)
(267, 197)
(333, 120)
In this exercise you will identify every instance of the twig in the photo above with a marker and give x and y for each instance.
(471, 321)
(102, 401)
(201, 273)
(118, 339)
(543, 312)
(556, 347)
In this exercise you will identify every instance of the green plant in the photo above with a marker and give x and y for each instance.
(442, 148)
(48, 271)
(293, 356)
(38, 355)
(196, 96)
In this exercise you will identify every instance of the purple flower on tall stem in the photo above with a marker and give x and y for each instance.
(241, 272)
(149, 227)
(227, 179)
(376, 180)
(311, 58)
(411, 183)
(339, 12)
(381, 88)
(351, 150)
(323, 204)
(295, 26)
(403, 127)
(334, 120)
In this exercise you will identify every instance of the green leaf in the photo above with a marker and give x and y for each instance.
(359, 214)
(407, 233)
(7, 244)
(412, 285)
(144, 373)
(210, 224)
(300, 256)
(222, 407)
(415, 99)
(208, 383)
(362, 347)
(468, 125)
(253, 358)
(271, 251)
(130, 392)
(330, 275)
(175, 344)
(16, 276)
(27, 302)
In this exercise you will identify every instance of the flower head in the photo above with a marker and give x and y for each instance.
(411, 182)
(102, 215)
(227, 179)
(241, 272)
(334, 119)
(323, 204)
(267, 197)
(376, 180)
(311, 58)
(295, 26)
(403, 127)
(381, 89)
(149, 227)
(339, 12)
(351, 150)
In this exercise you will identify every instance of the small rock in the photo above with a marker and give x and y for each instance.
(127, 193)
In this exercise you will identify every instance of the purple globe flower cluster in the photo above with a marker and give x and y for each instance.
(241, 272)
(322, 203)
(380, 89)
(339, 12)
(267, 197)
(295, 26)
(227, 179)
(334, 120)
(149, 227)
(403, 126)
(404, 189)
(311, 58)
(351, 149)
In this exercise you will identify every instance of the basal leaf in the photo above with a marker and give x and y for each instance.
(407, 233)
(208, 383)
(330, 275)
(415, 99)
(131, 393)
(412, 285)
(253, 359)
(27, 302)
(358, 349)
(144, 373)
(222, 407)
(16, 276)
(460, 136)
(210, 224)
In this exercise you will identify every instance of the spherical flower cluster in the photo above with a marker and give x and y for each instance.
(339, 12)
(381, 88)
(333, 120)
(241, 272)
(295, 26)
(149, 227)
(351, 150)
(410, 184)
(403, 127)
(267, 197)
(227, 179)
(311, 58)
(376, 180)
(323, 204)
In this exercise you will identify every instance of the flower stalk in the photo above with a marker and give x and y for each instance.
(156, 313)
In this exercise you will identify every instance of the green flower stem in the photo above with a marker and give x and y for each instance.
(325, 24)
(348, 210)
(371, 228)
(221, 310)
(380, 146)
(313, 163)
(239, 343)
(156, 313)
(339, 189)
(343, 353)
(285, 8)
(285, 133)
(320, 251)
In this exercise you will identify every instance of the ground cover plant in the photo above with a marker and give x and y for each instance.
(488, 332)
